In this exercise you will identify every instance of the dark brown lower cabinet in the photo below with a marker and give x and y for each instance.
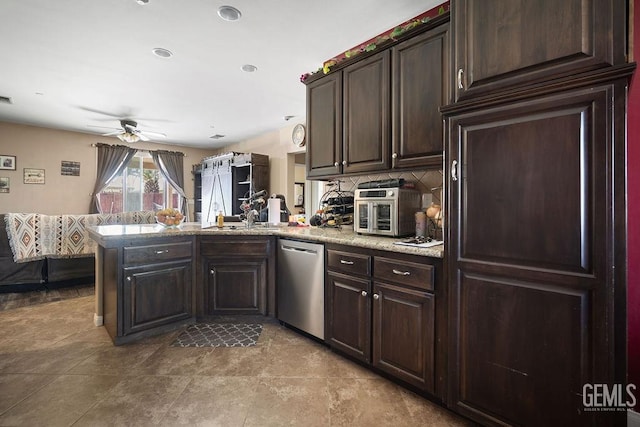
(381, 310)
(535, 308)
(237, 274)
(236, 286)
(156, 295)
(349, 313)
(403, 334)
(147, 287)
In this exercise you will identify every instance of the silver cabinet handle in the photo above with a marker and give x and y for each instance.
(460, 75)
(394, 156)
(166, 251)
(376, 296)
(401, 273)
(364, 293)
(344, 163)
(336, 164)
(454, 170)
(212, 271)
(128, 278)
(342, 261)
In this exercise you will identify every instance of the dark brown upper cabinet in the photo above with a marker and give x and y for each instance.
(381, 111)
(420, 85)
(503, 44)
(366, 114)
(324, 126)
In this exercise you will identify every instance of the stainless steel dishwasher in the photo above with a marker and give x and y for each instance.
(300, 285)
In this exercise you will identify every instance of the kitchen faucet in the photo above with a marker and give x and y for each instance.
(251, 214)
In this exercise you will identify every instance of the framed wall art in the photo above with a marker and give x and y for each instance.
(4, 184)
(33, 176)
(298, 194)
(69, 168)
(7, 163)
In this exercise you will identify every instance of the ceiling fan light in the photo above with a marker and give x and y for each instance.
(128, 137)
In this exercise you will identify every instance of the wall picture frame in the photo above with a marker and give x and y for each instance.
(4, 184)
(7, 163)
(69, 168)
(33, 176)
(298, 194)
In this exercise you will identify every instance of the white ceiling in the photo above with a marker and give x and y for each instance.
(73, 64)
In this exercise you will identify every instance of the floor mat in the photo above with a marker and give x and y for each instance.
(219, 335)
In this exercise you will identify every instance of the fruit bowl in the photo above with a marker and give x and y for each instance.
(169, 218)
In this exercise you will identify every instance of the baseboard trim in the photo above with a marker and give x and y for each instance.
(98, 320)
(633, 418)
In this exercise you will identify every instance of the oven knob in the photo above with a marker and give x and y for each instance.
(390, 193)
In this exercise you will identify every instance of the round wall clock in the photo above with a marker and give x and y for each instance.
(298, 134)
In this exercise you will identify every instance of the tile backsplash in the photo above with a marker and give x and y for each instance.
(426, 181)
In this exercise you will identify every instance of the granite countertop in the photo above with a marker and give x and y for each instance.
(114, 235)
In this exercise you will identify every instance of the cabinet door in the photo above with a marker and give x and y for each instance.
(403, 334)
(500, 44)
(156, 295)
(349, 313)
(531, 276)
(420, 82)
(367, 101)
(236, 286)
(324, 126)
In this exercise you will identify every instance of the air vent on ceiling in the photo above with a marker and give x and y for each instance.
(5, 100)
(217, 136)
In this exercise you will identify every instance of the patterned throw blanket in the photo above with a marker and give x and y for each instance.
(34, 236)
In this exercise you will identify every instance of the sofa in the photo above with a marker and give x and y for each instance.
(42, 251)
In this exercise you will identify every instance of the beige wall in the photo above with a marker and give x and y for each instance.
(44, 148)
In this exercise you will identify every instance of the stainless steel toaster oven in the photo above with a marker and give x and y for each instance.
(386, 211)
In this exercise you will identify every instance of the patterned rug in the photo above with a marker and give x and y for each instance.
(219, 335)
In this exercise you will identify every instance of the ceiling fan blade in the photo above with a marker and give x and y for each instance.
(142, 136)
(104, 113)
(118, 132)
(153, 134)
(104, 127)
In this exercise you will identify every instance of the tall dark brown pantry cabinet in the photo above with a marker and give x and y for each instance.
(536, 186)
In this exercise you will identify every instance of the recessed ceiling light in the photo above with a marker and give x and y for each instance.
(248, 68)
(229, 13)
(162, 52)
(142, 2)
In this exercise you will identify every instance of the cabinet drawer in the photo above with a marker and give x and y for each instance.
(404, 272)
(157, 253)
(235, 247)
(349, 262)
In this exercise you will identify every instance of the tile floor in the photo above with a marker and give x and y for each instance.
(57, 369)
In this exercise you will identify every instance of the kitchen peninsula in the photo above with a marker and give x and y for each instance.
(151, 279)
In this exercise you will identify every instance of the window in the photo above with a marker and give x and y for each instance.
(139, 187)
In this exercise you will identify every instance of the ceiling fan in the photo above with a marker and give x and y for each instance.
(129, 132)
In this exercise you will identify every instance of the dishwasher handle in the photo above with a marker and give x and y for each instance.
(294, 249)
